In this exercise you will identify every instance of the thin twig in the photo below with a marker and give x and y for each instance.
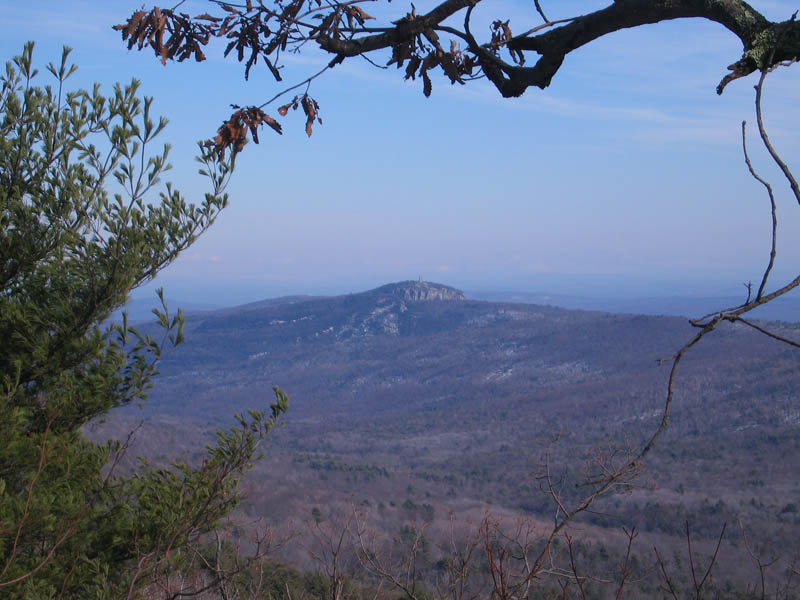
(691, 558)
(667, 580)
(302, 83)
(771, 195)
(762, 567)
(713, 558)
(540, 11)
(626, 565)
(767, 332)
(573, 567)
(787, 173)
(372, 62)
(537, 29)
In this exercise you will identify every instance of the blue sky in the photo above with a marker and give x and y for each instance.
(626, 175)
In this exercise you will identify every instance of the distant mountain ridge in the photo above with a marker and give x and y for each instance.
(402, 308)
(427, 336)
(782, 309)
(786, 308)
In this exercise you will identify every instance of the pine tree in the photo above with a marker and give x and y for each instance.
(78, 234)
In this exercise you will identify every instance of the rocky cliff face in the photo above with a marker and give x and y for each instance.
(421, 291)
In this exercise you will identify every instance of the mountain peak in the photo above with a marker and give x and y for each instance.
(421, 291)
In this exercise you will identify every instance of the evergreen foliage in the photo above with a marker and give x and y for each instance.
(78, 234)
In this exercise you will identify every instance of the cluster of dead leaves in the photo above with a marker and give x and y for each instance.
(425, 52)
(233, 132)
(333, 23)
(455, 63)
(253, 30)
(501, 36)
(310, 108)
(185, 36)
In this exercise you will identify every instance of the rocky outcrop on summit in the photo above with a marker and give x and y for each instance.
(421, 291)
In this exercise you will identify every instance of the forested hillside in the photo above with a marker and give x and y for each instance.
(418, 410)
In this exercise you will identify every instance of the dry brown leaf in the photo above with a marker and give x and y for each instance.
(362, 13)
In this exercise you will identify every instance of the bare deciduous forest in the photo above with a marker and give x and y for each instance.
(439, 416)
